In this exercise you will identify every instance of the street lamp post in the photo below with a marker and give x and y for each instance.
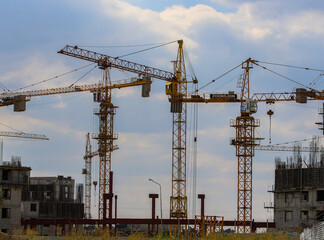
(160, 199)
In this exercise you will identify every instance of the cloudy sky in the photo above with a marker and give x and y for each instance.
(218, 35)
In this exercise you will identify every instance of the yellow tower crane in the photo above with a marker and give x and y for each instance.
(177, 89)
(107, 109)
(245, 140)
(87, 177)
(100, 90)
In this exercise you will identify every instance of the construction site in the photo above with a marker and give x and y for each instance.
(172, 119)
(56, 206)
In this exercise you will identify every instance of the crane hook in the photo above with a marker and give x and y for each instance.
(270, 113)
(95, 187)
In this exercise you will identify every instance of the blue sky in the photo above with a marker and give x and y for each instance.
(218, 35)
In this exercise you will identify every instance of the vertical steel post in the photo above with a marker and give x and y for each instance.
(153, 196)
(116, 215)
(111, 198)
(202, 202)
(202, 212)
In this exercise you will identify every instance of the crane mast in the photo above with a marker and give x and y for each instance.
(178, 199)
(245, 143)
(105, 139)
(87, 179)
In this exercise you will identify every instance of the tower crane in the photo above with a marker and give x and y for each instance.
(176, 88)
(245, 124)
(101, 92)
(245, 140)
(87, 179)
(107, 110)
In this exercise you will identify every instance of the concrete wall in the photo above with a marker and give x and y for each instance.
(293, 212)
(51, 189)
(12, 178)
(14, 204)
(28, 210)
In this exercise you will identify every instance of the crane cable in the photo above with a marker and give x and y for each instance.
(315, 81)
(207, 84)
(52, 78)
(60, 75)
(123, 46)
(192, 138)
(191, 69)
(297, 141)
(235, 77)
(195, 153)
(291, 66)
(280, 75)
(4, 88)
(277, 64)
(143, 50)
(83, 76)
(192, 166)
(11, 128)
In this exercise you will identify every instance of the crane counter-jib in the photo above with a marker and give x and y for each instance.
(8, 96)
(105, 61)
(257, 97)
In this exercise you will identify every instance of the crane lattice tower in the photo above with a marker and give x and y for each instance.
(105, 139)
(178, 199)
(245, 143)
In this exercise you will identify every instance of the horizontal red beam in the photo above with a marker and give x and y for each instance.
(34, 222)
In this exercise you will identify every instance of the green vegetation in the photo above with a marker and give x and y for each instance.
(103, 235)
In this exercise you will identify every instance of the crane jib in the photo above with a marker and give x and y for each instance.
(108, 61)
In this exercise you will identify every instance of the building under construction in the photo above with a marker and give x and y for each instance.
(13, 177)
(28, 197)
(299, 189)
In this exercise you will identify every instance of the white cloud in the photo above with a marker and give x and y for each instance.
(251, 20)
(35, 69)
(309, 23)
(124, 92)
(60, 103)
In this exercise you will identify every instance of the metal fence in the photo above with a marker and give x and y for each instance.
(316, 232)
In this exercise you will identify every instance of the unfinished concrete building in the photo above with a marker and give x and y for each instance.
(13, 178)
(50, 198)
(299, 190)
(28, 197)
